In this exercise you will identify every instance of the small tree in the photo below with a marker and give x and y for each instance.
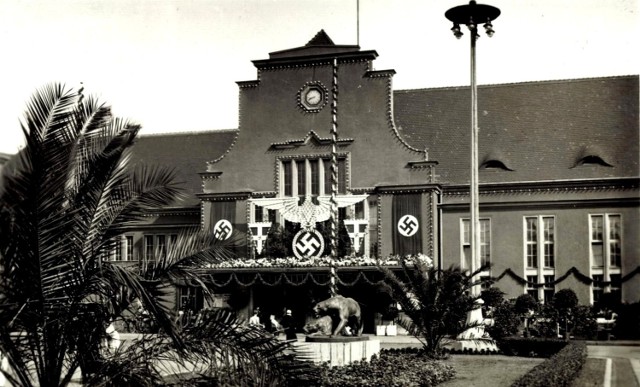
(505, 320)
(525, 307)
(565, 301)
(434, 301)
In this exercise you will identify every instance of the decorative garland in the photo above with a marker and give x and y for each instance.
(284, 278)
(584, 279)
(345, 263)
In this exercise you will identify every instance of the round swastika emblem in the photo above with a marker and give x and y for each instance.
(308, 244)
(408, 225)
(222, 230)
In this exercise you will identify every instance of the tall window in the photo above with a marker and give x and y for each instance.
(606, 253)
(485, 242)
(121, 249)
(157, 245)
(539, 255)
(311, 176)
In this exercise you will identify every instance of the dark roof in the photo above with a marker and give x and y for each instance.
(540, 130)
(187, 153)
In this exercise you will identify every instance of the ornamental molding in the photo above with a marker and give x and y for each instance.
(312, 136)
(293, 62)
(176, 211)
(213, 175)
(548, 187)
(380, 73)
(224, 196)
(391, 121)
(248, 84)
(362, 190)
(264, 194)
(423, 164)
(401, 189)
(226, 152)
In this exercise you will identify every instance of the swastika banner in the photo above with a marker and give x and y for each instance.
(407, 224)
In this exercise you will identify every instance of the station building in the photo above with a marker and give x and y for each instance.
(559, 183)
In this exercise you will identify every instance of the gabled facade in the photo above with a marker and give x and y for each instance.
(559, 179)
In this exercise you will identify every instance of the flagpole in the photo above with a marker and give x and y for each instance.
(333, 289)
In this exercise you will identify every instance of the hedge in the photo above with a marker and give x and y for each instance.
(530, 346)
(395, 368)
(559, 370)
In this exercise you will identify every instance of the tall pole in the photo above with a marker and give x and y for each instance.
(473, 187)
(333, 287)
(470, 15)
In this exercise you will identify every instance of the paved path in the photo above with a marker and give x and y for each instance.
(622, 367)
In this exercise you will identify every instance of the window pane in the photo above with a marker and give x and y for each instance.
(548, 255)
(615, 253)
(548, 229)
(129, 248)
(288, 178)
(342, 176)
(596, 227)
(532, 229)
(327, 176)
(315, 177)
(466, 231)
(148, 246)
(162, 246)
(614, 227)
(258, 213)
(597, 254)
(118, 244)
(302, 177)
(466, 253)
(532, 255)
(485, 241)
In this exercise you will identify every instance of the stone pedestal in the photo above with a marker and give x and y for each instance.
(482, 345)
(474, 339)
(339, 351)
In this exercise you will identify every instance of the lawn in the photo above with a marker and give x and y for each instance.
(592, 374)
(488, 370)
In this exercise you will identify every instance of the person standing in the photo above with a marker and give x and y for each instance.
(274, 325)
(289, 326)
(255, 319)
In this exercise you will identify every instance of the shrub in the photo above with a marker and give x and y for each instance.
(400, 368)
(525, 303)
(530, 346)
(505, 321)
(559, 370)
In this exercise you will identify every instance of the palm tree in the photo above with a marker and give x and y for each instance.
(65, 200)
(435, 301)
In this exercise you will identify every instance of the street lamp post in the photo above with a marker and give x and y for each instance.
(470, 15)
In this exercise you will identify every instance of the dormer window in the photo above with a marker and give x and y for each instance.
(590, 155)
(592, 160)
(495, 164)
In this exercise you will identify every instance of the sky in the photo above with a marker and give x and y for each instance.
(172, 65)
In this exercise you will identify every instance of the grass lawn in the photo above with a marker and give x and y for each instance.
(592, 374)
(488, 370)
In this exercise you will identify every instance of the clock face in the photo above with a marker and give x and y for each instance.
(313, 97)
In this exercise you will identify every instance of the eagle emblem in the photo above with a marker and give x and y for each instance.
(308, 213)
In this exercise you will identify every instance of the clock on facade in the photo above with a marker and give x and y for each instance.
(312, 97)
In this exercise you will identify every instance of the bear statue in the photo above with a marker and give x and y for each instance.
(319, 326)
(344, 311)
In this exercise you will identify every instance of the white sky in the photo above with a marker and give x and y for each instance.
(171, 65)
